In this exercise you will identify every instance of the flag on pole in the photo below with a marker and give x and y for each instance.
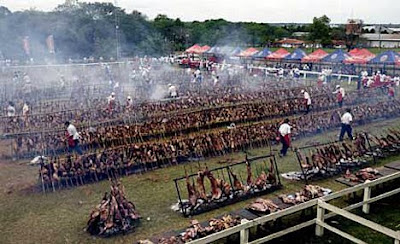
(26, 45)
(50, 44)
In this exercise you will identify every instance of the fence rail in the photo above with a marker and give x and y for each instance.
(319, 221)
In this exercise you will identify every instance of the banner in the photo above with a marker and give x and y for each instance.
(50, 44)
(26, 46)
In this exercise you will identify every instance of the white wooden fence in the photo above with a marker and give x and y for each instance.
(319, 221)
(313, 74)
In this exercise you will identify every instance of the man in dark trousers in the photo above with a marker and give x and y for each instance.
(347, 118)
(284, 136)
(307, 100)
(73, 138)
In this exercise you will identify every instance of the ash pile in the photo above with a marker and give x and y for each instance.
(114, 215)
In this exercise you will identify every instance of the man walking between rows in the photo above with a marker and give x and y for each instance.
(339, 95)
(284, 136)
(73, 138)
(347, 118)
(307, 100)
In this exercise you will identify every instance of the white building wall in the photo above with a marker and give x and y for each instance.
(384, 44)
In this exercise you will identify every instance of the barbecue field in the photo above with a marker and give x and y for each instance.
(29, 216)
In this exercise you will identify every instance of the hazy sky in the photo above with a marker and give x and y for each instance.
(371, 11)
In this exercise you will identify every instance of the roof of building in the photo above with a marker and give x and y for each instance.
(300, 34)
(291, 41)
(381, 37)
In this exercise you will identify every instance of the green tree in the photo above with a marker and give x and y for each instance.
(83, 29)
(319, 31)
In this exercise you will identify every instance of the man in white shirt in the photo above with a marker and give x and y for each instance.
(197, 75)
(284, 135)
(73, 138)
(111, 102)
(25, 109)
(346, 119)
(173, 93)
(25, 112)
(396, 80)
(281, 72)
(129, 103)
(340, 93)
(307, 99)
(10, 109)
(296, 73)
(364, 74)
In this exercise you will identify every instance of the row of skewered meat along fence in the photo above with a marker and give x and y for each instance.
(259, 207)
(227, 185)
(210, 189)
(131, 158)
(329, 159)
(315, 161)
(115, 133)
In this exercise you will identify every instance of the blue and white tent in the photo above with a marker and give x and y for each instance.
(236, 51)
(213, 50)
(337, 56)
(387, 57)
(262, 54)
(296, 55)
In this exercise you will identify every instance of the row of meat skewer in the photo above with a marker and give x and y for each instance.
(126, 136)
(100, 111)
(145, 156)
(161, 127)
(222, 190)
(339, 156)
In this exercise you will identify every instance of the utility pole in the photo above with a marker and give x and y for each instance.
(380, 31)
(117, 37)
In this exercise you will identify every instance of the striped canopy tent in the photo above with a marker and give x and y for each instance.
(225, 50)
(248, 52)
(262, 54)
(205, 48)
(387, 57)
(194, 49)
(315, 56)
(279, 54)
(235, 52)
(354, 52)
(213, 50)
(359, 56)
(296, 55)
(337, 56)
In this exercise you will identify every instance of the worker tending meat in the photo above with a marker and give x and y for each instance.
(307, 100)
(340, 94)
(284, 134)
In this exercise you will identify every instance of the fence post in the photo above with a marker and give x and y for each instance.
(397, 241)
(367, 196)
(319, 230)
(244, 234)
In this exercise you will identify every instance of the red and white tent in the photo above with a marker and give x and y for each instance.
(278, 54)
(194, 49)
(248, 52)
(315, 56)
(197, 49)
(359, 56)
(205, 48)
